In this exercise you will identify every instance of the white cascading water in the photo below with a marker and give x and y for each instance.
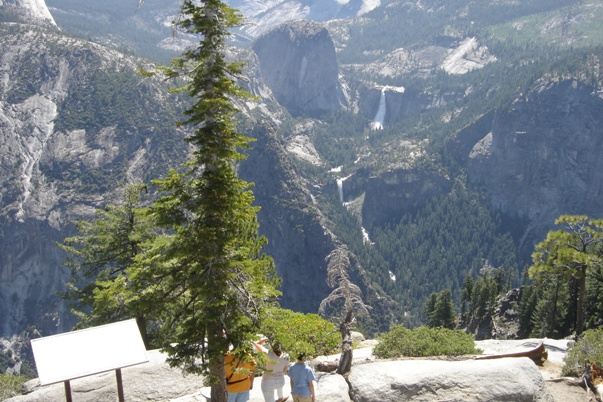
(379, 119)
(340, 181)
(340, 188)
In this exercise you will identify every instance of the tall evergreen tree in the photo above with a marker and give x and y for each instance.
(445, 314)
(429, 309)
(551, 307)
(466, 292)
(212, 277)
(439, 309)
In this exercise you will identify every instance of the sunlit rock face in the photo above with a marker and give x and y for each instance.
(57, 151)
(33, 10)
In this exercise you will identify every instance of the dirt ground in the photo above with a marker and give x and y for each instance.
(562, 389)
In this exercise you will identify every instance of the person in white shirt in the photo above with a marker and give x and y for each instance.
(274, 377)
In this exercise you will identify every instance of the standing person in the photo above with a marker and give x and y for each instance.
(274, 377)
(239, 377)
(302, 377)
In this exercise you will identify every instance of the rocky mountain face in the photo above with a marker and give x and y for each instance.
(299, 64)
(540, 158)
(52, 159)
(76, 121)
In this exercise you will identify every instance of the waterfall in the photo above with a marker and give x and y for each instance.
(365, 237)
(340, 181)
(340, 188)
(379, 119)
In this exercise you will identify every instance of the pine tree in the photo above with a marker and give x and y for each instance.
(445, 316)
(571, 252)
(429, 309)
(551, 307)
(102, 253)
(466, 292)
(212, 278)
(439, 309)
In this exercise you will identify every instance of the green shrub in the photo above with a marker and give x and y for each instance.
(298, 332)
(588, 346)
(10, 385)
(424, 341)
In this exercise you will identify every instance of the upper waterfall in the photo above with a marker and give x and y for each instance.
(379, 119)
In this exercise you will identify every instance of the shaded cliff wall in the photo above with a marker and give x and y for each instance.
(298, 241)
(393, 193)
(31, 272)
(542, 157)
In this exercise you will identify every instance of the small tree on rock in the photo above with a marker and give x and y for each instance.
(350, 297)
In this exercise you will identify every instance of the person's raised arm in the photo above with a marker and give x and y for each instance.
(259, 345)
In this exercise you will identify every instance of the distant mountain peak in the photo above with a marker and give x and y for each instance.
(35, 9)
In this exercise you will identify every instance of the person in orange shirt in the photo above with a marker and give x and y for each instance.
(239, 377)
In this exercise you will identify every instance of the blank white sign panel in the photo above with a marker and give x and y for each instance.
(88, 351)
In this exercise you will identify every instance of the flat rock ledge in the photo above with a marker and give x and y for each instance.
(506, 379)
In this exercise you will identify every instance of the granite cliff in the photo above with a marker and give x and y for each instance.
(540, 157)
(54, 157)
(298, 63)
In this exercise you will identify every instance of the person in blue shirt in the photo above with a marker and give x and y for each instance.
(302, 377)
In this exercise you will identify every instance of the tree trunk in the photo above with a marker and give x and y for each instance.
(580, 301)
(219, 392)
(345, 361)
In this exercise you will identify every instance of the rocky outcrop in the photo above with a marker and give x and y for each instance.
(299, 64)
(503, 323)
(538, 161)
(510, 379)
(454, 55)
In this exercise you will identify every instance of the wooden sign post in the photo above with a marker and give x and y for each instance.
(77, 354)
